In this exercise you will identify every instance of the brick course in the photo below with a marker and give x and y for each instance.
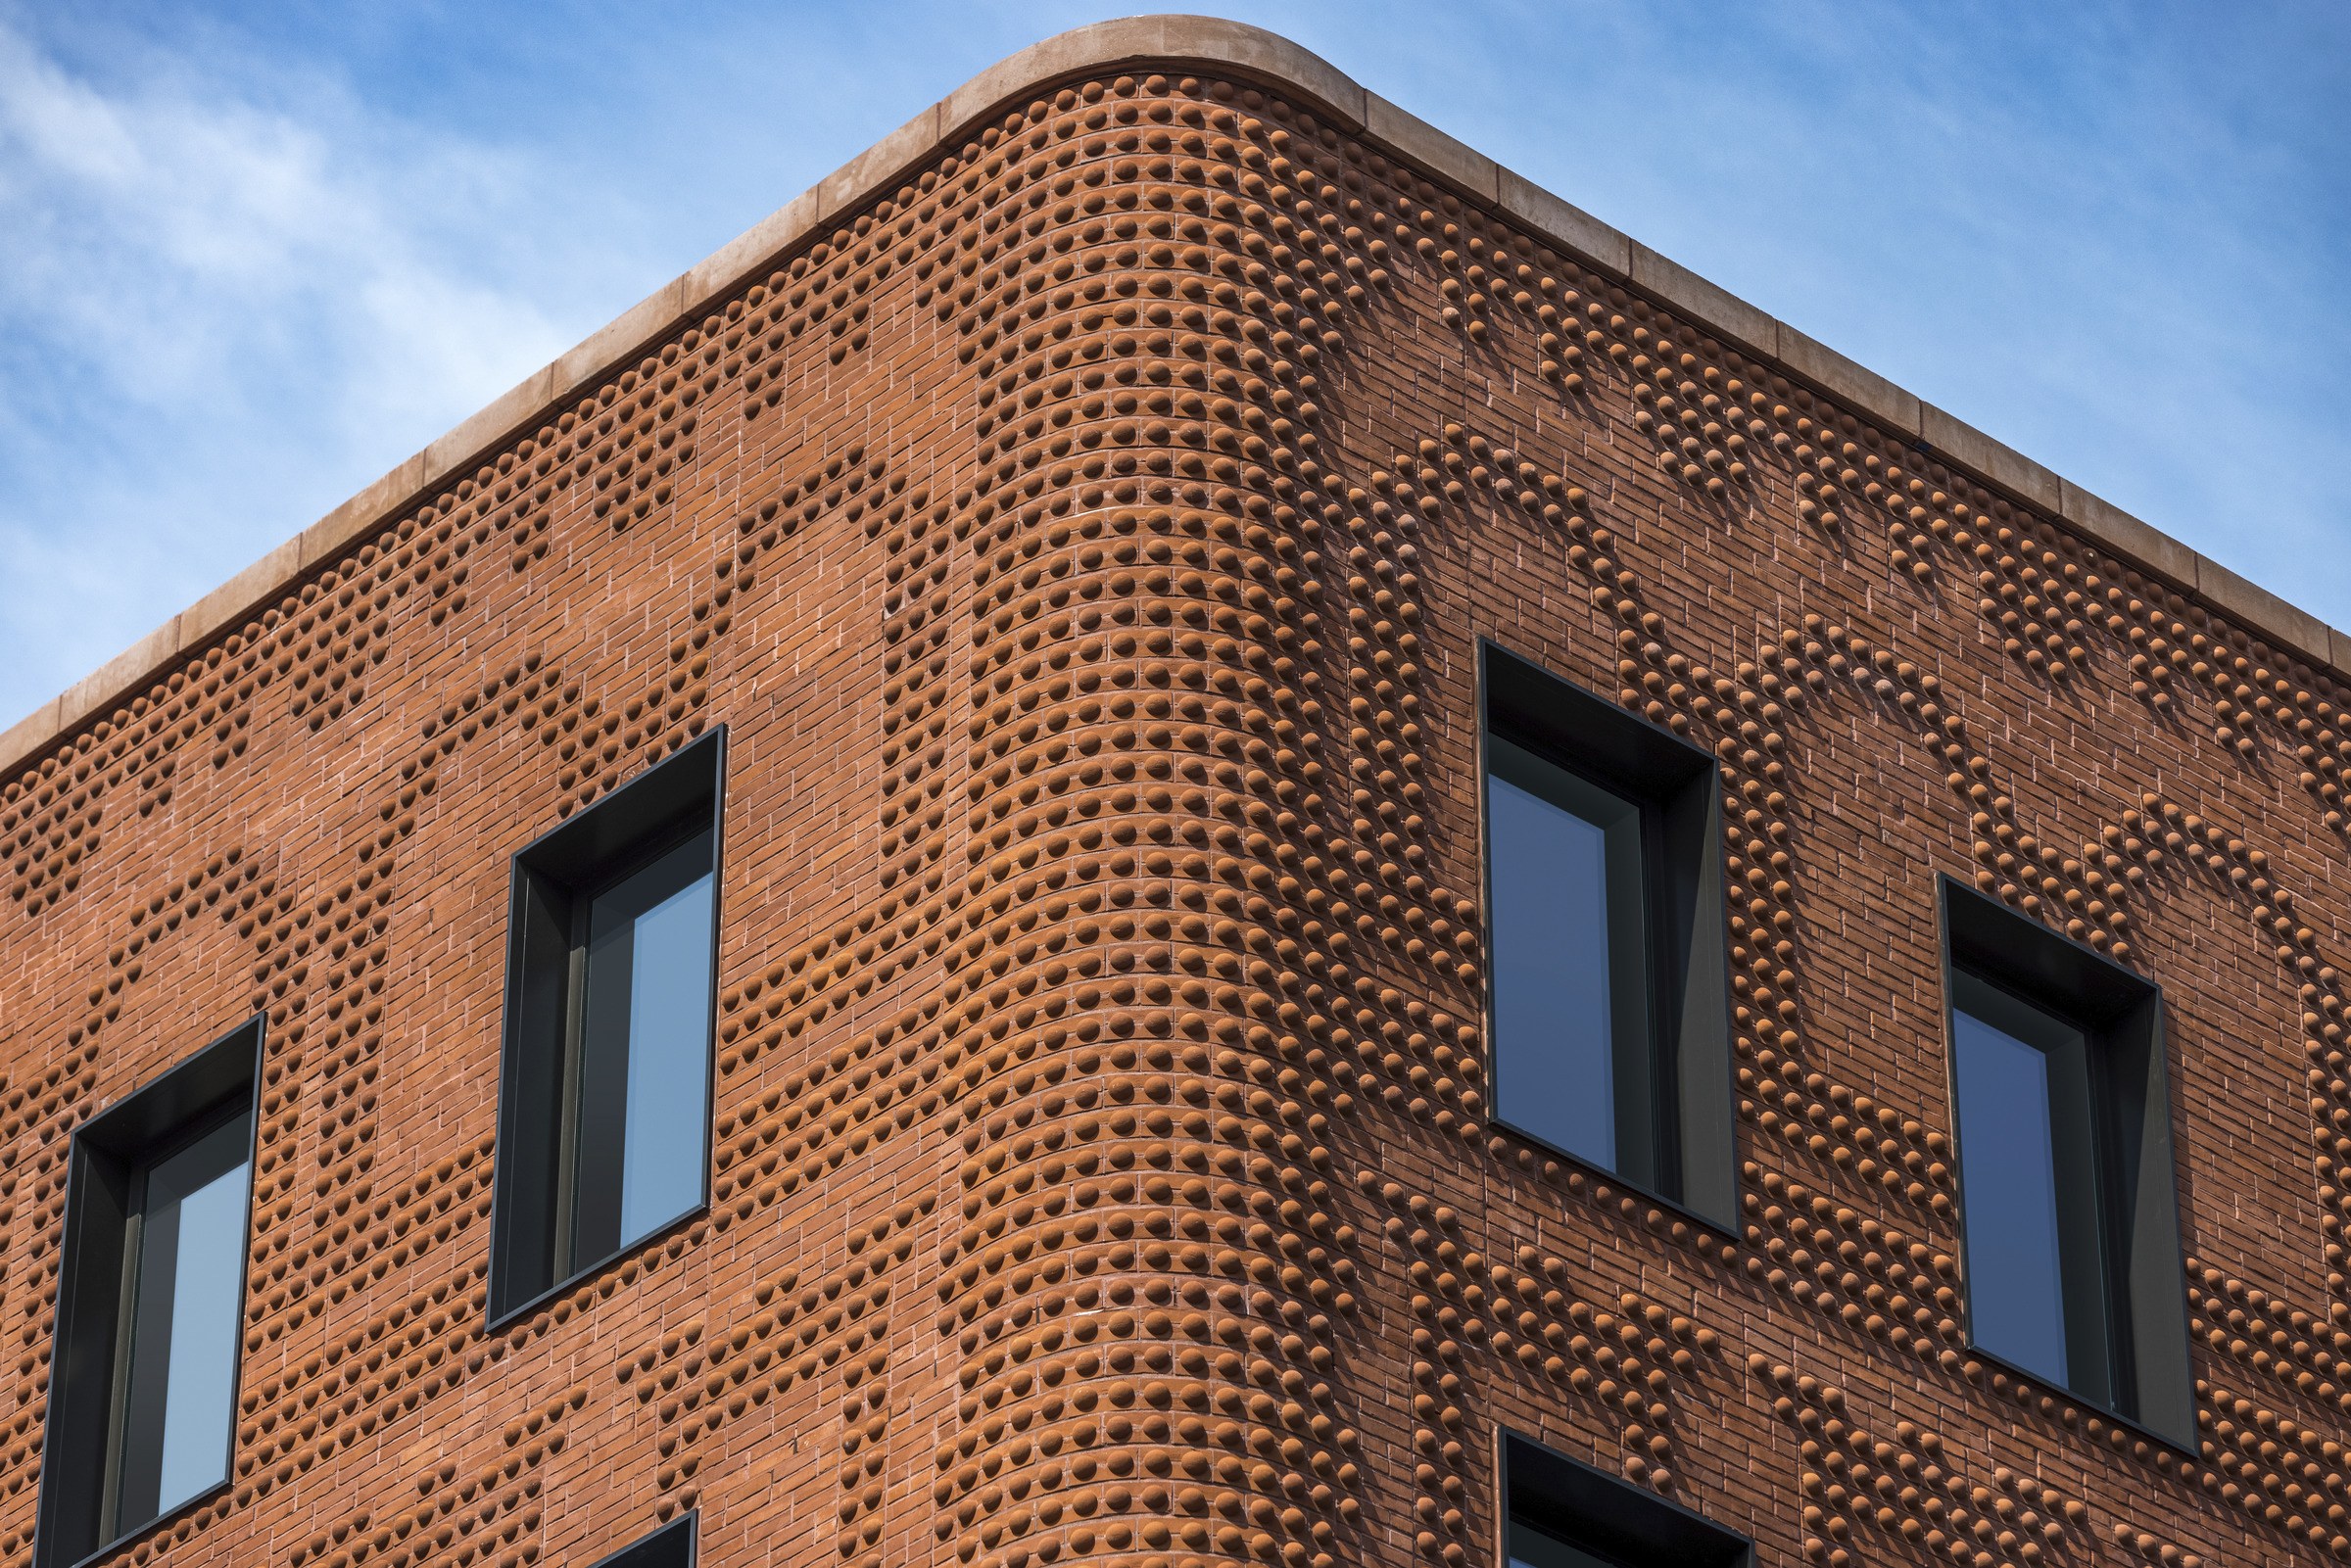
(1086, 541)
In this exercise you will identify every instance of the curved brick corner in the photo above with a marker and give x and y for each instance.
(1085, 536)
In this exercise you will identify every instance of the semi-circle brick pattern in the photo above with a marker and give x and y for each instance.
(1085, 538)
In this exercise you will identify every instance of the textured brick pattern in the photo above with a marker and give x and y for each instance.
(1087, 546)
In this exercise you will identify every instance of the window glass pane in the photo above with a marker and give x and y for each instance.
(1570, 1016)
(2008, 1152)
(669, 1060)
(644, 1059)
(2028, 1158)
(189, 1265)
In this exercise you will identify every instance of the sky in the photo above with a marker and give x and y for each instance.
(252, 255)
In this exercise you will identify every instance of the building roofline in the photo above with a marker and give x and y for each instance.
(1237, 50)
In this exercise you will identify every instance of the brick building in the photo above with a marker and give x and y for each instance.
(1178, 830)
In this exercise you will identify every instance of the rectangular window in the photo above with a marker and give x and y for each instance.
(1559, 1513)
(1608, 986)
(670, 1546)
(142, 1406)
(2069, 1220)
(604, 1083)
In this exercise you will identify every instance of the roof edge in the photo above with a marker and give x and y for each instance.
(1273, 61)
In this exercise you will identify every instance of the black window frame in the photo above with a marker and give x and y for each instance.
(2120, 1014)
(111, 1153)
(1605, 1515)
(674, 1544)
(1691, 1086)
(554, 880)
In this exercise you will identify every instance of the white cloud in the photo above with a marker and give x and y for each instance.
(2109, 237)
(234, 289)
(218, 316)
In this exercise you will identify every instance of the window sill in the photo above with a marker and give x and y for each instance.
(2034, 1382)
(131, 1538)
(659, 1236)
(1712, 1226)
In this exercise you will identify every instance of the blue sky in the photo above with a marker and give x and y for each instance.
(252, 256)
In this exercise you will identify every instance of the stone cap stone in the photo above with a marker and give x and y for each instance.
(1233, 49)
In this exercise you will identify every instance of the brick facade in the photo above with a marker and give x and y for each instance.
(1087, 543)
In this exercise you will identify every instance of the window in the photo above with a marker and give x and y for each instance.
(2069, 1217)
(670, 1546)
(604, 1083)
(151, 1291)
(1558, 1513)
(1608, 988)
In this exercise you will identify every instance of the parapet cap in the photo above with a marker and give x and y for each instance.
(1238, 49)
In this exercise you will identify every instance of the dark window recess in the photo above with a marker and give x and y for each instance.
(605, 1081)
(1559, 1513)
(2068, 1211)
(1609, 991)
(670, 1546)
(151, 1291)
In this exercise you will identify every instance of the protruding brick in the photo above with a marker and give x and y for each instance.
(1090, 565)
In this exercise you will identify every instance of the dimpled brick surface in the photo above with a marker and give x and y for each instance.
(1086, 542)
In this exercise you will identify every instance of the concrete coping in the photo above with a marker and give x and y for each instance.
(1229, 48)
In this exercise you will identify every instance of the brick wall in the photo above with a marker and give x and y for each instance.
(1087, 546)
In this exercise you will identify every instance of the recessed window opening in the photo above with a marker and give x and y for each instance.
(143, 1376)
(604, 1083)
(1561, 1513)
(1607, 985)
(2069, 1220)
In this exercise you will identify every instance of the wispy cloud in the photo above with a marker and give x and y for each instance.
(2116, 235)
(209, 309)
(244, 271)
